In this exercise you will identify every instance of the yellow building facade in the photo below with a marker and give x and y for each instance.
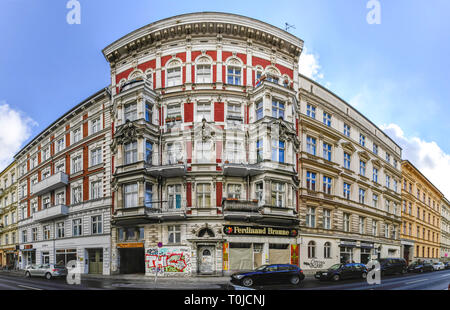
(9, 239)
(421, 218)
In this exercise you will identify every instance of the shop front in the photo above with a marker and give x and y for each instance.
(27, 256)
(248, 247)
(347, 251)
(366, 252)
(131, 257)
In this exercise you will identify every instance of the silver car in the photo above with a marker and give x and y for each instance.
(45, 270)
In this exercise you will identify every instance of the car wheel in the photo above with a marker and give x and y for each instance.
(48, 275)
(295, 280)
(364, 275)
(336, 277)
(247, 282)
(28, 274)
(403, 271)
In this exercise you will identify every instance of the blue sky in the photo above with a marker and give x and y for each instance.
(395, 73)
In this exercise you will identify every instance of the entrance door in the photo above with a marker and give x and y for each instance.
(206, 259)
(95, 261)
(132, 260)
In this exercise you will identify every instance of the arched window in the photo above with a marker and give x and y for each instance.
(234, 72)
(311, 249)
(259, 73)
(327, 250)
(273, 75)
(174, 73)
(203, 71)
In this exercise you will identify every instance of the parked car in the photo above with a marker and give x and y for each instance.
(392, 266)
(45, 270)
(269, 274)
(438, 266)
(342, 271)
(420, 266)
(447, 265)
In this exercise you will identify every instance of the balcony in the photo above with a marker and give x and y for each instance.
(236, 164)
(51, 213)
(53, 182)
(153, 212)
(240, 205)
(171, 164)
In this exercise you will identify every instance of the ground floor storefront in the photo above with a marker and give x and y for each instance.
(407, 250)
(319, 252)
(192, 249)
(9, 258)
(92, 254)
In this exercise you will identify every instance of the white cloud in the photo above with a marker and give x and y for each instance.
(15, 129)
(428, 157)
(309, 65)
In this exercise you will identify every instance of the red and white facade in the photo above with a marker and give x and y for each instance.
(64, 190)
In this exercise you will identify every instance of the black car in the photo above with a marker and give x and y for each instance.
(447, 265)
(343, 271)
(269, 274)
(392, 266)
(420, 266)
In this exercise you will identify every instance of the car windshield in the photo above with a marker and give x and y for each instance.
(59, 267)
(335, 267)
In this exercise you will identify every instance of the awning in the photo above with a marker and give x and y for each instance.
(28, 250)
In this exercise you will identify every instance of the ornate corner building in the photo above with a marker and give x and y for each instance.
(207, 154)
(8, 217)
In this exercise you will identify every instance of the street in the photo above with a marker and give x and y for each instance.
(438, 280)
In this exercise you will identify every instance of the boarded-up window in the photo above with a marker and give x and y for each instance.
(241, 256)
(279, 254)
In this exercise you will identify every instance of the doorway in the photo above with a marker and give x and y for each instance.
(206, 259)
(95, 261)
(132, 260)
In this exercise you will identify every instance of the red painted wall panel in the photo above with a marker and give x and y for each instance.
(188, 112)
(189, 194)
(219, 111)
(219, 194)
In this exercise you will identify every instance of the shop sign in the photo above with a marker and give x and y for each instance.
(367, 245)
(28, 246)
(130, 245)
(233, 230)
(348, 243)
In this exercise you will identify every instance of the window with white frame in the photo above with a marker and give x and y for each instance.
(24, 236)
(234, 75)
(96, 125)
(234, 191)
(77, 227)
(130, 195)
(327, 151)
(362, 195)
(60, 144)
(148, 201)
(34, 207)
(375, 175)
(311, 145)
(174, 233)
(34, 234)
(327, 250)
(45, 154)
(388, 181)
(130, 150)
(174, 74)
(278, 150)
(203, 71)
(347, 190)
(347, 130)
(173, 115)
(259, 110)
(362, 140)
(346, 222)
(96, 224)
(174, 196)
(76, 135)
(362, 226)
(375, 200)
(327, 183)
(259, 191)
(60, 230)
(311, 180)
(203, 151)
(59, 198)
(96, 156)
(203, 112)
(375, 149)
(203, 195)
(76, 164)
(46, 232)
(311, 249)
(234, 112)
(76, 194)
(278, 192)
(311, 111)
(46, 203)
(327, 219)
(347, 160)
(130, 112)
(374, 227)
(362, 168)
(277, 109)
(311, 217)
(386, 230)
(234, 152)
(96, 189)
(327, 119)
